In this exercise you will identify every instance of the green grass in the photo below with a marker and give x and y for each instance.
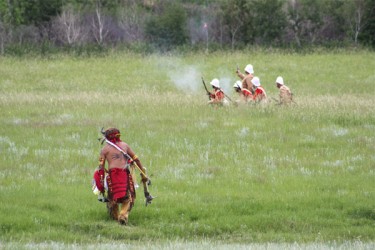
(235, 175)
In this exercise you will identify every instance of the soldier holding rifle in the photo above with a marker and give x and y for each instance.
(285, 94)
(247, 77)
(218, 97)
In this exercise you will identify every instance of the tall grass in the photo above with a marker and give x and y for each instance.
(240, 175)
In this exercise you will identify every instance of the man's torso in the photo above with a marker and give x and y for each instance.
(114, 157)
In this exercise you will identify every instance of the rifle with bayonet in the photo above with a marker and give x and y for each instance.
(226, 96)
(277, 101)
(280, 103)
(210, 94)
(205, 87)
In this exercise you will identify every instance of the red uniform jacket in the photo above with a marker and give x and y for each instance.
(218, 95)
(247, 93)
(260, 94)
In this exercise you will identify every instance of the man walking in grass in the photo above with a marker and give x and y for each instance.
(247, 77)
(285, 94)
(121, 190)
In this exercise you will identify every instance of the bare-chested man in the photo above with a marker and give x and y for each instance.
(121, 189)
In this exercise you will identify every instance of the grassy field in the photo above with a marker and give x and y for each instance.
(236, 176)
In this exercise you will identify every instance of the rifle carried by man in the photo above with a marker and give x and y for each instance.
(205, 87)
(210, 95)
(132, 162)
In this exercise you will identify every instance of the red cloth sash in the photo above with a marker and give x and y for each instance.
(219, 95)
(118, 183)
(260, 94)
(247, 93)
(99, 179)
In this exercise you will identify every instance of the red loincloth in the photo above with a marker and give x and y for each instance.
(119, 183)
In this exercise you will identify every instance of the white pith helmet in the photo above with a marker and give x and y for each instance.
(238, 84)
(249, 69)
(256, 81)
(215, 82)
(280, 80)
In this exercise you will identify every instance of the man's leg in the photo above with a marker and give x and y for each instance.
(112, 208)
(125, 208)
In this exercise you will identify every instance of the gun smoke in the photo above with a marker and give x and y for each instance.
(189, 78)
(186, 78)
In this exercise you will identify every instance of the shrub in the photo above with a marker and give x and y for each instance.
(167, 30)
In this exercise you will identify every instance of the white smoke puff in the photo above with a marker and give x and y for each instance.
(225, 84)
(186, 78)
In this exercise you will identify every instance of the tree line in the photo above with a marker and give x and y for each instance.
(167, 24)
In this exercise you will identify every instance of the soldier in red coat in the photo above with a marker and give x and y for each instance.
(218, 97)
(244, 94)
(259, 92)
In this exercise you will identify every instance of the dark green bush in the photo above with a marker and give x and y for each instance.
(167, 30)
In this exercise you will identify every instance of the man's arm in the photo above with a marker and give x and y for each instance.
(144, 177)
(240, 75)
(249, 83)
(102, 159)
(135, 158)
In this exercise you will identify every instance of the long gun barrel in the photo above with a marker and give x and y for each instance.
(205, 87)
(226, 95)
(149, 198)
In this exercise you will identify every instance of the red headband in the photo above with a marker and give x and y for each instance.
(112, 135)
